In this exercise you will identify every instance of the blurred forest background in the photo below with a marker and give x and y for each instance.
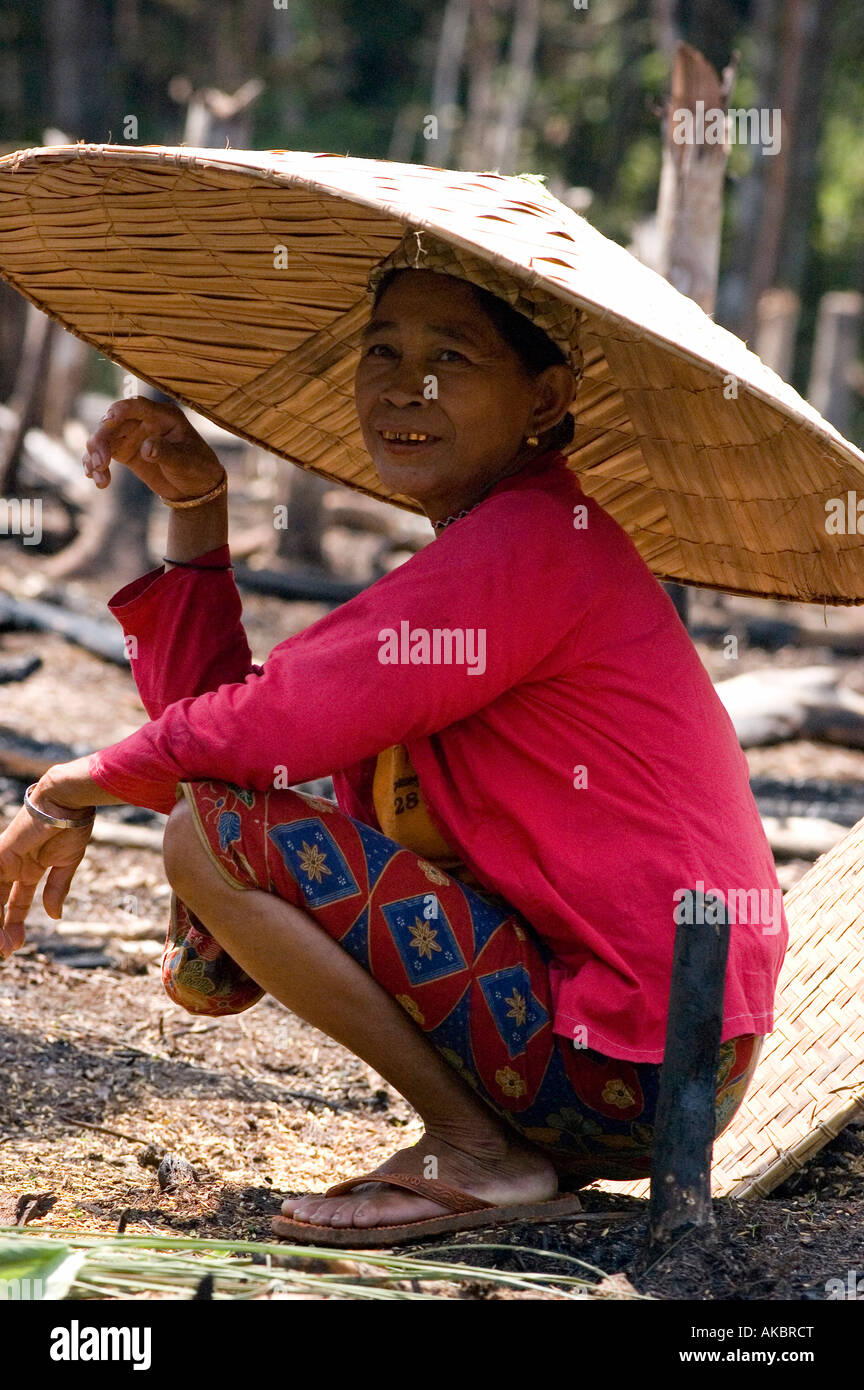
(571, 91)
(517, 85)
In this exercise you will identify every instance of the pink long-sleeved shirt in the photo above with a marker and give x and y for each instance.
(575, 753)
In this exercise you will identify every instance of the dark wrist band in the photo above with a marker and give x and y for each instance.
(185, 565)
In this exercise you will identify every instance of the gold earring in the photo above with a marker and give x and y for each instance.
(532, 440)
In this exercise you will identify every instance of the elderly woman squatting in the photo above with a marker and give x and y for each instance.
(488, 444)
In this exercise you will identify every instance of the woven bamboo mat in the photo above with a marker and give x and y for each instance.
(809, 1082)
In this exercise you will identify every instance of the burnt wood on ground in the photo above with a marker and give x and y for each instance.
(771, 634)
(307, 585)
(775, 705)
(18, 668)
(840, 802)
(101, 638)
(685, 1120)
(25, 759)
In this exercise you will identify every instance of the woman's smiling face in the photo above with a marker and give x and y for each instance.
(433, 363)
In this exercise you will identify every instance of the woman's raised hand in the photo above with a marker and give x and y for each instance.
(157, 443)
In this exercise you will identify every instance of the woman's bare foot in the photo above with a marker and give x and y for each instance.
(502, 1171)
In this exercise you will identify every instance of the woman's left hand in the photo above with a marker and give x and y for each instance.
(29, 849)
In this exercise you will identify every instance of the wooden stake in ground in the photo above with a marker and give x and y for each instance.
(685, 1120)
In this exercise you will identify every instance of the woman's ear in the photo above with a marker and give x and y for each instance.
(556, 387)
(561, 434)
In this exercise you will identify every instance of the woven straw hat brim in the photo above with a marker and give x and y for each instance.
(165, 259)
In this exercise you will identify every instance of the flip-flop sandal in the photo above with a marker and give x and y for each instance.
(467, 1213)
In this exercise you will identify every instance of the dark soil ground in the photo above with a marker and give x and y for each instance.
(102, 1074)
(98, 1065)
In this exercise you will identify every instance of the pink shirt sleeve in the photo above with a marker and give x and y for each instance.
(183, 631)
(329, 696)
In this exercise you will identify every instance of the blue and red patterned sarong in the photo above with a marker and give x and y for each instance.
(470, 971)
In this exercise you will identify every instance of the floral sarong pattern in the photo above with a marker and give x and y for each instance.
(468, 970)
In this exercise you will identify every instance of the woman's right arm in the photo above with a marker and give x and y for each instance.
(183, 627)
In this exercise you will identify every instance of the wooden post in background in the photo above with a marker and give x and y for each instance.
(835, 354)
(301, 540)
(777, 315)
(690, 199)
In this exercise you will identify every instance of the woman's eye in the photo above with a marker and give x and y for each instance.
(384, 349)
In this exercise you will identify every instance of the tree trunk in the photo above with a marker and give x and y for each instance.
(710, 28)
(409, 119)
(66, 371)
(217, 119)
(737, 300)
(483, 60)
(230, 36)
(835, 353)
(504, 136)
(113, 538)
(665, 25)
(448, 68)
(690, 200)
(13, 322)
(765, 252)
(794, 250)
(792, 46)
(82, 79)
(28, 398)
(690, 203)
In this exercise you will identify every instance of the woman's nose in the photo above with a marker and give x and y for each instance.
(406, 383)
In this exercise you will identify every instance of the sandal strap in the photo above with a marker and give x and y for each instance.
(449, 1197)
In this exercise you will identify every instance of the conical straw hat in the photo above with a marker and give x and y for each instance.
(236, 281)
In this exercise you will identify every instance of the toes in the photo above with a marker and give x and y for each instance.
(393, 1209)
(303, 1208)
(343, 1212)
(372, 1206)
(317, 1211)
(315, 1207)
